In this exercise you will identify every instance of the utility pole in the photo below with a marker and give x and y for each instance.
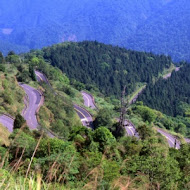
(122, 112)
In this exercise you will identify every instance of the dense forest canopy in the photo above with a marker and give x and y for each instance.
(171, 96)
(106, 67)
(160, 26)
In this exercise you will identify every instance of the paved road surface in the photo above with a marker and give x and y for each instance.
(84, 115)
(41, 77)
(130, 129)
(7, 122)
(88, 100)
(171, 140)
(34, 98)
(187, 140)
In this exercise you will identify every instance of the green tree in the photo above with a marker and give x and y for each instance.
(144, 132)
(104, 118)
(2, 67)
(32, 73)
(146, 113)
(104, 137)
(19, 122)
(182, 128)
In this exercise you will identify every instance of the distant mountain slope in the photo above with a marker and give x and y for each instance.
(167, 31)
(104, 66)
(160, 26)
(35, 24)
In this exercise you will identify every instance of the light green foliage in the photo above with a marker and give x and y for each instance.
(20, 141)
(104, 137)
(35, 61)
(146, 113)
(111, 170)
(182, 128)
(11, 95)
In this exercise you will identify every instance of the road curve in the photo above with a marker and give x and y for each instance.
(130, 129)
(87, 120)
(172, 141)
(88, 100)
(34, 102)
(41, 77)
(84, 115)
(7, 122)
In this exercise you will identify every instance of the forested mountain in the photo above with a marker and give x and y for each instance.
(166, 31)
(104, 66)
(81, 158)
(160, 26)
(171, 96)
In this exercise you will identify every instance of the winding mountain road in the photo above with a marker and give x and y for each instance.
(87, 120)
(170, 74)
(88, 100)
(41, 77)
(35, 100)
(131, 130)
(172, 141)
(83, 114)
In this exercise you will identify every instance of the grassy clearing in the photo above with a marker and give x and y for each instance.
(4, 136)
(11, 95)
(167, 71)
(14, 182)
(138, 89)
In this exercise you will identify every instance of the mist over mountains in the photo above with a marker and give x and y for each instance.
(160, 26)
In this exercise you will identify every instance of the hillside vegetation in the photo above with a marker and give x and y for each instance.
(82, 158)
(105, 67)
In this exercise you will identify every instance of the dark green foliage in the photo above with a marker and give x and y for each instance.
(19, 121)
(11, 53)
(104, 137)
(1, 58)
(32, 73)
(2, 68)
(166, 31)
(168, 95)
(95, 155)
(146, 113)
(106, 67)
(23, 76)
(144, 132)
(104, 118)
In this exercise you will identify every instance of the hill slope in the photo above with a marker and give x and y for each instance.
(106, 67)
(166, 31)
